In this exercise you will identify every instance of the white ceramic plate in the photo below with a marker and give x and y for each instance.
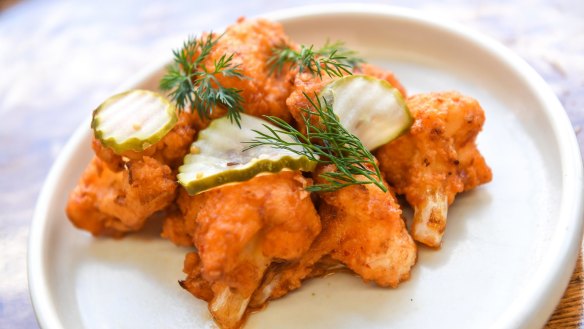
(509, 248)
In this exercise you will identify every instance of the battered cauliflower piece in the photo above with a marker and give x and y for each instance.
(113, 203)
(375, 242)
(436, 159)
(239, 230)
(117, 193)
(362, 228)
(170, 150)
(251, 42)
(310, 85)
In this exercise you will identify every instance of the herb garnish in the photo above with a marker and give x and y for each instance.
(191, 83)
(333, 58)
(326, 142)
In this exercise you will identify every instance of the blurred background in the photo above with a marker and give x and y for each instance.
(59, 59)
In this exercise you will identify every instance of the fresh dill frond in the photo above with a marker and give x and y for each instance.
(326, 142)
(333, 59)
(191, 84)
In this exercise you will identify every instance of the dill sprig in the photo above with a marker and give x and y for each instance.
(190, 83)
(326, 142)
(332, 58)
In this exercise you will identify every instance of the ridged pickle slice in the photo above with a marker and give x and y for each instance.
(218, 156)
(133, 120)
(369, 108)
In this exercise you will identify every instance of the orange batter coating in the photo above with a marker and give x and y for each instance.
(239, 230)
(306, 83)
(113, 203)
(170, 150)
(362, 228)
(251, 42)
(374, 242)
(117, 193)
(436, 159)
(174, 226)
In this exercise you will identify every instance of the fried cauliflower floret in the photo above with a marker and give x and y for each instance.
(117, 193)
(362, 228)
(251, 42)
(436, 159)
(375, 242)
(239, 230)
(170, 150)
(112, 203)
(310, 85)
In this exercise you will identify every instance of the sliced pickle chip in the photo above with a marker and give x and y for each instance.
(218, 156)
(133, 120)
(369, 108)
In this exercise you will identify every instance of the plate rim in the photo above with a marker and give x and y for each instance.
(536, 300)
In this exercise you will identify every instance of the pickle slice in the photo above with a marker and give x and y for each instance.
(218, 156)
(133, 120)
(369, 108)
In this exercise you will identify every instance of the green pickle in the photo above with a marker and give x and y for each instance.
(369, 108)
(133, 120)
(218, 156)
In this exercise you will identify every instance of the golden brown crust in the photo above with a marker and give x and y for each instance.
(225, 220)
(439, 151)
(239, 230)
(374, 241)
(362, 228)
(113, 203)
(195, 283)
(437, 159)
(174, 229)
(251, 42)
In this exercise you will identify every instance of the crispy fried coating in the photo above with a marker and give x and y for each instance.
(436, 159)
(108, 157)
(375, 242)
(195, 283)
(239, 230)
(113, 203)
(310, 85)
(251, 42)
(170, 150)
(174, 227)
(362, 228)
